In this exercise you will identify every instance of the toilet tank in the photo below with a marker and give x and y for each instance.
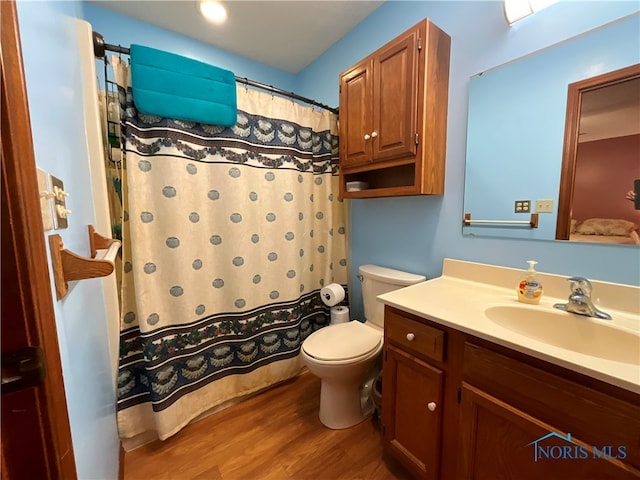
(378, 280)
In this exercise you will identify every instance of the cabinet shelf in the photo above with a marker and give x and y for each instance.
(397, 180)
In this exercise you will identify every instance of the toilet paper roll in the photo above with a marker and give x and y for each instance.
(339, 315)
(332, 294)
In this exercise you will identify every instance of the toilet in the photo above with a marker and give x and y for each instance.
(343, 355)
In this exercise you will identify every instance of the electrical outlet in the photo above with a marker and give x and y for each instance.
(45, 200)
(522, 206)
(544, 206)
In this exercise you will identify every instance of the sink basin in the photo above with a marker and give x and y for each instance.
(569, 331)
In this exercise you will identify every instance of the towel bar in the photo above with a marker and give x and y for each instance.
(533, 223)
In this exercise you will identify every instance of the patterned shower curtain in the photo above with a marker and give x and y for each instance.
(229, 234)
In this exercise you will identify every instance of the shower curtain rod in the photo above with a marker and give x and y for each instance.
(99, 47)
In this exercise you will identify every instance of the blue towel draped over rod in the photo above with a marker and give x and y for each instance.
(173, 86)
(100, 47)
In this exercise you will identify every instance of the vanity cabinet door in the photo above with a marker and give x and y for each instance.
(412, 412)
(597, 417)
(499, 441)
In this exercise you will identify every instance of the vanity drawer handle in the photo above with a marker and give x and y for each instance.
(410, 336)
(431, 406)
(374, 134)
(367, 136)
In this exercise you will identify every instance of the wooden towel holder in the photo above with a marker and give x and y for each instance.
(68, 266)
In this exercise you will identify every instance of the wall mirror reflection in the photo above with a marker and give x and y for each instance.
(516, 140)
(601, 160)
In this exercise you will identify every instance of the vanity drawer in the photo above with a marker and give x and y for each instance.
(413, 336)
(592, 416)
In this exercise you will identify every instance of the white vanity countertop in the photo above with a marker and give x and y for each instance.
(458, 300)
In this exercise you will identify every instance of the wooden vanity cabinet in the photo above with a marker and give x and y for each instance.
(527, 420)
(500, 441)
(497, 406)
(393, 115)
(413, 387)
(411, 430)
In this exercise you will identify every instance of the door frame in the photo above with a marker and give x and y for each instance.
(28, 317)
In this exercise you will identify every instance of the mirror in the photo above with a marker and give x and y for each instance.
(601, 155)
(516, 135)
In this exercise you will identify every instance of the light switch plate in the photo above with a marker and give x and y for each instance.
(59, 204)
(544, 206)
(45, 202)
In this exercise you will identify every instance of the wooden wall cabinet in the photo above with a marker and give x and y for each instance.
(495, 407)
(393, 116)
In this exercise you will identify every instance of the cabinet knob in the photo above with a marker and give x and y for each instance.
(431, 406)
(374, 134)
(367, 136)
(410, 336)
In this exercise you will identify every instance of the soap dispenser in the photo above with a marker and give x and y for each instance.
(530, 288)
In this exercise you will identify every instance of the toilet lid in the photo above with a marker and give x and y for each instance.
(342, 341)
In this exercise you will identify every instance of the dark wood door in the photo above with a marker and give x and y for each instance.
(412, 411)
(395, 104)
(500, 442)
(355, 115)
(36, 438)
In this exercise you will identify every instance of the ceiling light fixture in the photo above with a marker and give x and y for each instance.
(515, 10)
(213, 11)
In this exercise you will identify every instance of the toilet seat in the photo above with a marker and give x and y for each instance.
(343, 341)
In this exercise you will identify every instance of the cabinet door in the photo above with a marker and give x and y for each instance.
(355, 115)
(499, 441)
(395, 104)
(412, 412)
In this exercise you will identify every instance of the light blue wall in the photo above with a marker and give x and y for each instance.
(415, 234)
(54, 90)
(516, 126)
(119, 29)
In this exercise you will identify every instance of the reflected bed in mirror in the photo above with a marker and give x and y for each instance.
(517, 146)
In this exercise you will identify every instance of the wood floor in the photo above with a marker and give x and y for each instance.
(275, 435)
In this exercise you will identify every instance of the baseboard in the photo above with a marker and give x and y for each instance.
(138, 441)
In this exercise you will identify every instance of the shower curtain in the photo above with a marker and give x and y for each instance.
(229, 234)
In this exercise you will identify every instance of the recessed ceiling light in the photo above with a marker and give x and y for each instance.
(213, 11)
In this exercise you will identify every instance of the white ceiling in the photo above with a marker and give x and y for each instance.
(288, 35)
(610, 111)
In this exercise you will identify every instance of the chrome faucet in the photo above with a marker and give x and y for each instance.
(580, 300)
